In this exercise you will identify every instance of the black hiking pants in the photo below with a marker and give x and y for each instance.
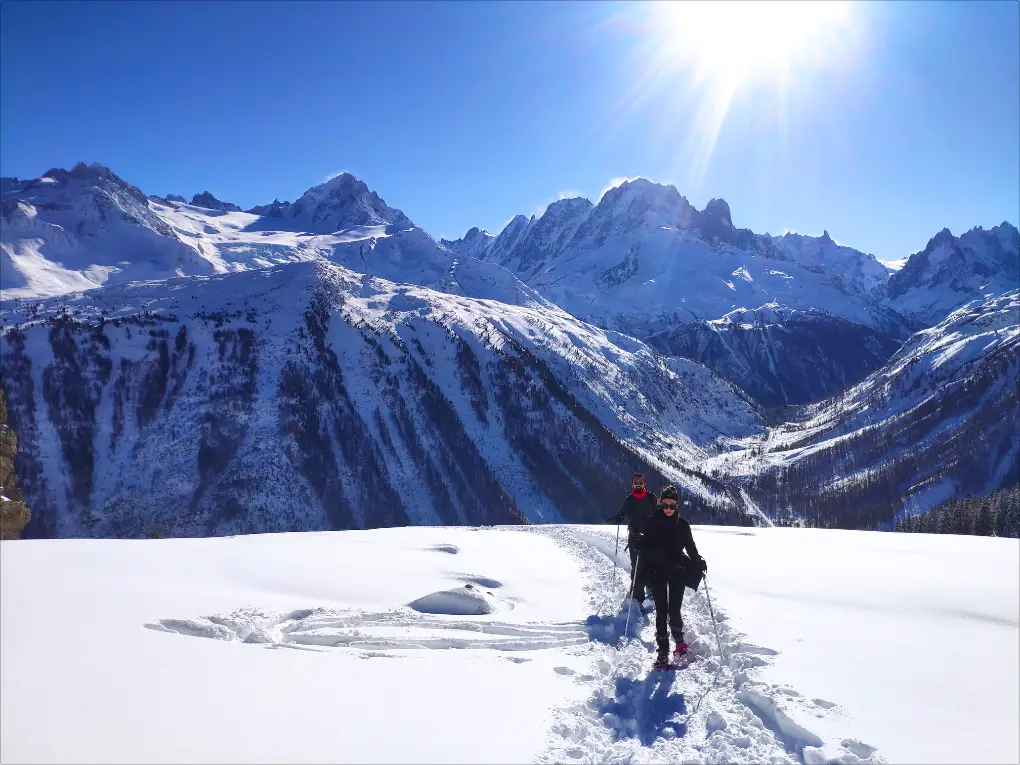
(667, 584)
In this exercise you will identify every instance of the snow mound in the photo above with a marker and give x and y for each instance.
(464, 601)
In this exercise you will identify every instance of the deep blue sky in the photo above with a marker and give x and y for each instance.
(465, 114)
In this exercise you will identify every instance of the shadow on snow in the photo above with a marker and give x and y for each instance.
(645, 709)
(609, 629)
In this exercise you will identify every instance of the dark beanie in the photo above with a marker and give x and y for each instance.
(669, 493)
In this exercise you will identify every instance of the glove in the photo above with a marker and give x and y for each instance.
(703, 565)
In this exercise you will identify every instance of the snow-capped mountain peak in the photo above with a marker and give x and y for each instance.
(75, 229)
(633, 206)
(532, 243)
(502, 248)
(716, 222)
(857, 271)
(343, 202)
(951, 270)
(472, 245)
(210, 202)
(81, 176)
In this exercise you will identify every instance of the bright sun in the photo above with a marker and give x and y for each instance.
(702, 53)
(746, 39)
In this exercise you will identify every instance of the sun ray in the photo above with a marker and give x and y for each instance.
(697, 57)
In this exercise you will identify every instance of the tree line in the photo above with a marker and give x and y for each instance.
(997, 515)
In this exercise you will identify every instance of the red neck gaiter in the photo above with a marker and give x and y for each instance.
(638, 496)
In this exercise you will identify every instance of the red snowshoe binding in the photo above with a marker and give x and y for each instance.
(682, 655)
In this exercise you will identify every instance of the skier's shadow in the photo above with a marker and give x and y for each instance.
(643, 709)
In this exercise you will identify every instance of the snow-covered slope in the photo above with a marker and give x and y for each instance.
(308, 396)
(951, 271)
(334, 647)
(73, 230)
(941, 419)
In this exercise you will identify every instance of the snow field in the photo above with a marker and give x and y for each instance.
(843, 647)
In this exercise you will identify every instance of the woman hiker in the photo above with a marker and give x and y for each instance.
(666, 569)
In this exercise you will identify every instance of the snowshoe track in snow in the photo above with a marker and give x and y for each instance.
(704, 712)
(415, 627)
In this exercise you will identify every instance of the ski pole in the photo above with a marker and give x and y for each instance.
(616, 555)
(714, 625)
(630, 605)
(718, 643)
(616, 562)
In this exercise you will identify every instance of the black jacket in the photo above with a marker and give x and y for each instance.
(636, 512)
(665, 541)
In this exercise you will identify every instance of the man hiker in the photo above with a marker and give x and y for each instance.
(666, 569)
(636, 509)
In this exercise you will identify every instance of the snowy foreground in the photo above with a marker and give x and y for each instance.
(840, 646)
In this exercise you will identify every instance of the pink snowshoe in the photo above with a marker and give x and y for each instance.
(682, 655)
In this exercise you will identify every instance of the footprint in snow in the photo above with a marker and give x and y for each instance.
(481, 581)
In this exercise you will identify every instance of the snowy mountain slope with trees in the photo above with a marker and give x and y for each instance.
(308, 396)
(642, 261)
(789, 319)
(780, 355)
(338, 639)
(939, 420)
(998, 515)
(646, 262)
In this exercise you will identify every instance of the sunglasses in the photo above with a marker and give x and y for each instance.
(669, 503)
